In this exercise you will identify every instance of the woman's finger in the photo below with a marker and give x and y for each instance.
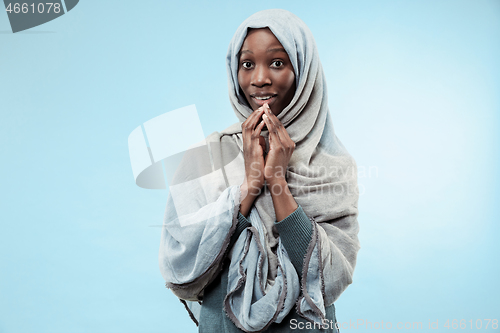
(259, 127)
(253, 119)
(279, 128)
(255, 136)
(282, 132)
(260, 139)
(274, 139)
(248, 126)
(273, 117)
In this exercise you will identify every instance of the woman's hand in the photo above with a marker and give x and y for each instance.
(281, 148)
(253, 154)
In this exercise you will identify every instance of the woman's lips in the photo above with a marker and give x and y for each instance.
(261, 102)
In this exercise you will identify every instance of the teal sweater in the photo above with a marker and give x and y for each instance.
(295, 232)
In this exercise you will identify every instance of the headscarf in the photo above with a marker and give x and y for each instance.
(204, 201)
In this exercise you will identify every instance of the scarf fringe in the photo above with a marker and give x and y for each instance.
(303, 282)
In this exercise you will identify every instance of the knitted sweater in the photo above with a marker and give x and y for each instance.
(295, 231)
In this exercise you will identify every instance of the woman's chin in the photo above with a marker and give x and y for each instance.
(273, 109)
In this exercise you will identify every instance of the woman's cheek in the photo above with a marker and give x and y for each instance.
(243, 84)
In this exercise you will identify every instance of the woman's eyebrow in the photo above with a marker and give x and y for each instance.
(276, 49)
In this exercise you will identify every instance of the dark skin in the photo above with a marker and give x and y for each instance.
(267, 79)
(265, 71)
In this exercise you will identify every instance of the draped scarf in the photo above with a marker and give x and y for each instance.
(204, 199)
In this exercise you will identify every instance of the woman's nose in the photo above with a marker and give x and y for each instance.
(260, 76)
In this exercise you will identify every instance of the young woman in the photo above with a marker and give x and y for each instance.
(260, 230)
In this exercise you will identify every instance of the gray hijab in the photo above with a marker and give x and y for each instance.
(204, 199)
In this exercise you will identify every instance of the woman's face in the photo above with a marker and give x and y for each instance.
(265, 73)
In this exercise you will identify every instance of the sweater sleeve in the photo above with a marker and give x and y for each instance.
(243, 223)
(296, 234)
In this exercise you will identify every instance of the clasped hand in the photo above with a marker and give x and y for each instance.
(272, 167)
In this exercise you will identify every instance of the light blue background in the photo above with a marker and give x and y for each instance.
(414, 94)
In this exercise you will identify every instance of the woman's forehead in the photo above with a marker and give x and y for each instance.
(261, 39)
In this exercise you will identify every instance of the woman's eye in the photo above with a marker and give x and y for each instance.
(246, 64)
(277, 63)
